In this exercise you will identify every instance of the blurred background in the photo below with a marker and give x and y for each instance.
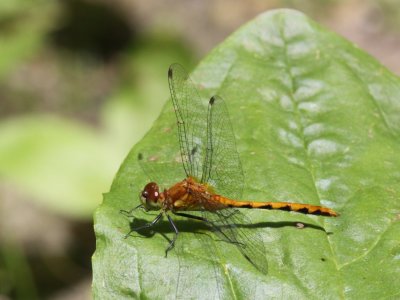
(81, 81)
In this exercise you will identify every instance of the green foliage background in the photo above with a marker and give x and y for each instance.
(317, 121)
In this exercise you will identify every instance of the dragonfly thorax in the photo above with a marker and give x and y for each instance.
(150, 196)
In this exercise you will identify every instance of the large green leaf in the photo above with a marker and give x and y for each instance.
(316, 121)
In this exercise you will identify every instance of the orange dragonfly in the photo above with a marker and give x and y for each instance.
(214, 174)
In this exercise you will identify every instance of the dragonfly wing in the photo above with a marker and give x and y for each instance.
(234, 227)
(203, 266)
(222, 167)
(160, 169)
(190, 113)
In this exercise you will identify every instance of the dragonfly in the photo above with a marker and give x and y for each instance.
(214, 179)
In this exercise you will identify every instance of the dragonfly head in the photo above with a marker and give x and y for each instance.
(150, 197)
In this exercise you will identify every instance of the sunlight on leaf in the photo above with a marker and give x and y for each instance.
(316, 121)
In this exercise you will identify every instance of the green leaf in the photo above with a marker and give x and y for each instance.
(317, 121)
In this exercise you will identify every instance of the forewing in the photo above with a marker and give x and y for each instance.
(191, 119)
(222, 167)
(160, 170)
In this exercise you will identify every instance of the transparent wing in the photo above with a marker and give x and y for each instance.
(202, 266)
(232, 226)
(190, 114)
(158, 169)
(222, 167)
(239, 229)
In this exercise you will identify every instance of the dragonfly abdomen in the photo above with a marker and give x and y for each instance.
(287, 206)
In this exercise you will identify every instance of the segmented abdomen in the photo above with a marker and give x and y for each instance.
(296, 207)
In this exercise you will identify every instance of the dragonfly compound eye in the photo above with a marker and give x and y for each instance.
(150, 195)
(144, 195)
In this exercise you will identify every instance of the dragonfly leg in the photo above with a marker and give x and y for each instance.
(128, 213)
(210, 223)
(148, 225)
(172, 243)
